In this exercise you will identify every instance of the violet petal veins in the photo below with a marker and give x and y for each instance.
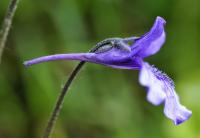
(119, 53)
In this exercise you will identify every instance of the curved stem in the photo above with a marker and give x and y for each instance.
(60, 100)
(7, 24)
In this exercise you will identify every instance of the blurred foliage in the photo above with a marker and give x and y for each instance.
(102, 102)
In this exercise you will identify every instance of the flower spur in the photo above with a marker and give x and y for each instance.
(119, 53)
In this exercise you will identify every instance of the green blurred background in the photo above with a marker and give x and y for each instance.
(102, 102)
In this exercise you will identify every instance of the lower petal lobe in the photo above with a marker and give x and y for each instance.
(161, 89)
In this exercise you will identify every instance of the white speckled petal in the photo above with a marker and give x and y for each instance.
(161, 89)
(155, 93)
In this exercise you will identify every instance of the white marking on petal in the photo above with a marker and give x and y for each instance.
(161, 88)
(155, 93)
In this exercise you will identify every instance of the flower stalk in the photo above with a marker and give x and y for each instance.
(60, 100)
(7, 22)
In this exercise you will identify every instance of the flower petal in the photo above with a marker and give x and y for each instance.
(115, 58)
(151, 42)
(174, 110)
(161, 89)
(155, 94)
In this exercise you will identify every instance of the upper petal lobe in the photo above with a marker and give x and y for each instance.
(152, 41)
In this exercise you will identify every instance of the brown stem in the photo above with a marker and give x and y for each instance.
(7, 24)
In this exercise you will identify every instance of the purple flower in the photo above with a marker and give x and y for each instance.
(117, 53)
